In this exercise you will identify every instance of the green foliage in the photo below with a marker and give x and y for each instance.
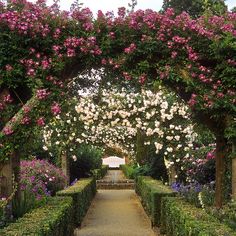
(180, 218)
(55, 218)
(82, 192)
(26, 203)
(196, 8)
(129, 171)
(227, 214)
(151, 192)
(88, 158)
(101, 172)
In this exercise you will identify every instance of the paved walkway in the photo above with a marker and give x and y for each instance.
(115, 213)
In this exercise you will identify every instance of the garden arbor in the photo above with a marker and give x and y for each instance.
(43, 48)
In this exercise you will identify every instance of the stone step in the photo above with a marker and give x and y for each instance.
(116, 181)
(115, 185)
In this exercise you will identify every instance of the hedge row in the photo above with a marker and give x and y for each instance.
(174, 215)
(128, 171)
(82, 193)
(181, 218)
(59, 216)
(100, 173)
(55, 218)
(151, 192)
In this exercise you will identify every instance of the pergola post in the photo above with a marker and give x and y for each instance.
(172, 174)
(10, 170)
(65, 165)
(234, 170)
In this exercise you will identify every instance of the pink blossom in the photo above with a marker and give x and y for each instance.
(220, 95)
(121, 12)
(31, 72)
(70, 52)
(9, 67)
(1, 106)
(174, 54)
(55, 108)
(26, 109)
(142, 78)
(210, 155)
(25, 120)
(192, 101)
(130, 49)
(127, 76)
(8, 130)
(7, 98)
(104, 61)
(112, 35)
(41, 121)
(42, 94)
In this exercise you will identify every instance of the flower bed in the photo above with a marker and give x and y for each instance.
(41, 178)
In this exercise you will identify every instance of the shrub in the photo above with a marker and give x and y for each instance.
(88, 158)
(151, 192)
(52, 219)
(38, 180)
(226, 214)
(82, 192)
(128, 171)
(181, 218)
(101, 172)
(41, 178)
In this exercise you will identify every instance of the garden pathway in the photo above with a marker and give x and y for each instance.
(115, 213)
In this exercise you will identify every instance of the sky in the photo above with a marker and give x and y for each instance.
(109, 5)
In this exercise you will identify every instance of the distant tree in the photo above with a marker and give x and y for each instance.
(233, 9)
(196, 8)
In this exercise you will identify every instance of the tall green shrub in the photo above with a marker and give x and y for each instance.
(88, 158)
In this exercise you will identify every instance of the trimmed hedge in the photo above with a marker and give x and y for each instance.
(181, 218)
(82, 192)
(54, 218)
(128, 171)
(151, 192)
(100, 173)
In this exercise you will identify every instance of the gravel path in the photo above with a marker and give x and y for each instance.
(115, 213)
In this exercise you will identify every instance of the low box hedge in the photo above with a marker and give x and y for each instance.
(100, 173)
(181, 218)
(82, 192)
(128, 171)
(54, 218)
(151, 192)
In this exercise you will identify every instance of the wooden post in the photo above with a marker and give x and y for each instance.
(65, 165)
(220, 169)
(9, 169)
(234, 170)
(6, 173)
(172, 174)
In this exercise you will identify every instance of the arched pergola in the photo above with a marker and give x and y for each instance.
(44, 48)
